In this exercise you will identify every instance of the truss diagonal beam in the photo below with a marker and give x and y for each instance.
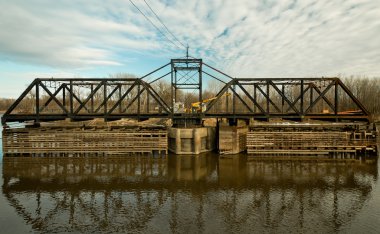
(299, 97)
(51, 97)
(89, 97)
(217, 70)
(150, 73)
(221, 92)
(251, 98)
(244, 103)
(54, 98)
(121, 98)
(268, 100)
(22, 96)
(216, 78)
(159, 78)
(321, 95)
(72, 94)
(157, 97)
(107, 98)
(284, 96)
(132, 101)
(352, 96)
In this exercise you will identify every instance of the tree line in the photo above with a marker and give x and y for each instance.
(367, 91)
(5, 103)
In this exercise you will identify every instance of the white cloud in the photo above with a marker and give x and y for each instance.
(66, 37)
(244, 38)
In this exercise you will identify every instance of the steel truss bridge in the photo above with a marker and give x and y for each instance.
(146, 97)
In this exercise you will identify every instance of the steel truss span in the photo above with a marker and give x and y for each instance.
(143, 98)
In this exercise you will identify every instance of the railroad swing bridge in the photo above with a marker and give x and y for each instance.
(190, 80)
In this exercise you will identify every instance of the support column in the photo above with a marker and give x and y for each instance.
(178, 141)
(197, 141)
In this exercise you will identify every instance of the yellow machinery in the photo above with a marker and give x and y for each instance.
(201, 106)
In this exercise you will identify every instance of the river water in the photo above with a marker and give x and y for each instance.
(188, 194)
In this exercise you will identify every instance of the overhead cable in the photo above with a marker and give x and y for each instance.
(158, 29)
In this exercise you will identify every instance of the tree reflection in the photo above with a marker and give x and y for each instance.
(186, 193)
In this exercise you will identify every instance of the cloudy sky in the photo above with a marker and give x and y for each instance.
(244, 38)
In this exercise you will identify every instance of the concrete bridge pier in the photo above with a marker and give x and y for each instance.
(193, 140)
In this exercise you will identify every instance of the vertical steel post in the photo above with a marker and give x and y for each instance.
(92, 98)
(138, 101)
(38, 100)
(311, 96)
(302, 97)
(227, 107)
(71, 99)
(336, 101)
(175, 85)
(200, 83)
(105, 99)
(254, 97)
(64, 95)
(234, 100)
(120, 98)
(147, 101)
(172, 87)
(283, 99)
(268, 97)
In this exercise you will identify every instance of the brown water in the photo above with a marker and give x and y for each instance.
(187, 194)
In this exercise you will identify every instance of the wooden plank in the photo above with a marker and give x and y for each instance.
(308, 142)
(81, 140)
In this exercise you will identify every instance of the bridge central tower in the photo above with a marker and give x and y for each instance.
(186, 76)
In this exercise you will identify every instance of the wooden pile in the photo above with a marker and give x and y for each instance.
(61, 140)
(302, 142)
(232, 139)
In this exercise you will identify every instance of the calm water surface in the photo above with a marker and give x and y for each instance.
(187, 194)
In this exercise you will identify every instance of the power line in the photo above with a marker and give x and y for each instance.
(167, 29)
(154, 25)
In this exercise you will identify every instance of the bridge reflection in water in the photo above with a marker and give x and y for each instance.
(186, 194)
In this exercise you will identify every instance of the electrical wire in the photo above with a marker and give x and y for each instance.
(163, 34)
(167, 29)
